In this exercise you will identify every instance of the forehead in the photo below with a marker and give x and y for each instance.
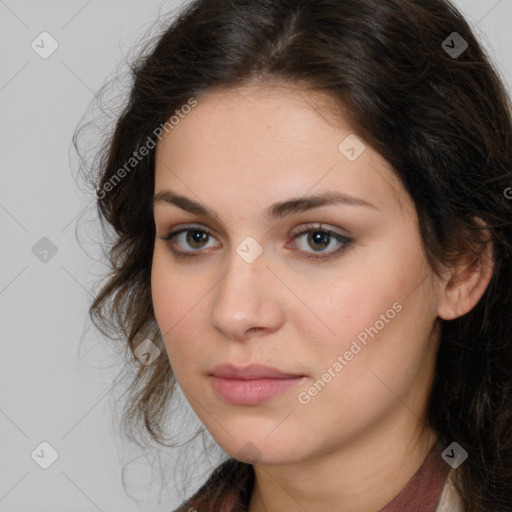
(264, 143)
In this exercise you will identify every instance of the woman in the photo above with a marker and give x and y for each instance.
(312, 226)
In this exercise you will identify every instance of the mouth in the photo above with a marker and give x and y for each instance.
(251, 385)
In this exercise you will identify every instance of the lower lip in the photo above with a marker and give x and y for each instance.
(251, 392)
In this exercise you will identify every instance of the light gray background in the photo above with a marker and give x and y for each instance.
(49, 389)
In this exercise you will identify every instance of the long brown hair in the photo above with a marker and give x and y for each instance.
(436, 110)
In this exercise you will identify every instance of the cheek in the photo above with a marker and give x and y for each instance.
(372, 321)
(170, 299)
(381, 298)
(178, 301)
(350, 306)
(164, 293)
(380, 346)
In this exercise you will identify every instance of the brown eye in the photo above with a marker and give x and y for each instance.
(196, 237)
(319, 239)
(188, 240)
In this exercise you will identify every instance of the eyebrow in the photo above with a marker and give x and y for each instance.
(275, 211)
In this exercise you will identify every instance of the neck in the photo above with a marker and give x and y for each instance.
(360, 476)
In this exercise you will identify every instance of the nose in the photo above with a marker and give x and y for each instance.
(249, 298)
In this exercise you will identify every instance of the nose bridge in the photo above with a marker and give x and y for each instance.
(245, 296)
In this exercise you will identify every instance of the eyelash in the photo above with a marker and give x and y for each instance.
(346, 241)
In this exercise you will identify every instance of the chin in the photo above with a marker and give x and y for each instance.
(259, 449)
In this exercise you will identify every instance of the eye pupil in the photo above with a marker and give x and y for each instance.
(196, 237)
(321, 237)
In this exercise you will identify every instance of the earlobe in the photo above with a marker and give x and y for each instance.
(467, 283)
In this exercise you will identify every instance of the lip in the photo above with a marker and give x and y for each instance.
(251, 371)
(251, 385)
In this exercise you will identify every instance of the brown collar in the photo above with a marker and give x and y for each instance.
(423, 491)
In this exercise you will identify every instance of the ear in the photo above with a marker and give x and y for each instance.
(467, 280)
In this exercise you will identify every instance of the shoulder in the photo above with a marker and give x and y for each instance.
(450, 500)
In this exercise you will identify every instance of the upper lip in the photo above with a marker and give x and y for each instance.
(252, 371)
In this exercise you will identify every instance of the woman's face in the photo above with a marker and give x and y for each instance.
(243, 287)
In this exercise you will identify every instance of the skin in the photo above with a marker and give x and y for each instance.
(360, 439)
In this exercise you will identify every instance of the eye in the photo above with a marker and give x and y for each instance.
(194, 237)
(319, 238)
